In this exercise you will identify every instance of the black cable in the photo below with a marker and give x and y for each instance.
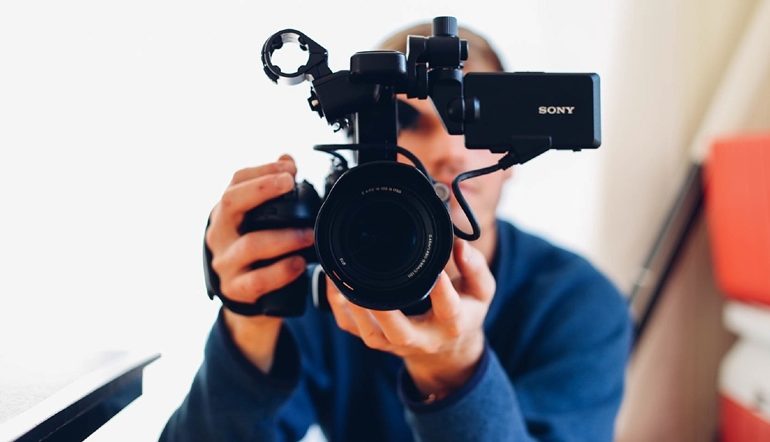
(333, 148)
(508, 160)
(416, 161)
(505, 162)
(332, 151)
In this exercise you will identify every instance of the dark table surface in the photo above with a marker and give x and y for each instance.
(63, 396)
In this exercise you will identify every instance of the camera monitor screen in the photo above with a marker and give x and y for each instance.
(560, 111)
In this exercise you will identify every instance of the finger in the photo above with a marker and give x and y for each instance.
(396, 327)
(368, 328)
(237, 199)
(260, 245)
(251, 285)
(246, 195)
(476, 278)
(218, 237)
(446, 304)
(284, 164)
(340, 309)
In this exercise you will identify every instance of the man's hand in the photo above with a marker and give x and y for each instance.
(233, 253)
(442, 347)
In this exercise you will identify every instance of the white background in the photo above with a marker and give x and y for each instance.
(122, 123)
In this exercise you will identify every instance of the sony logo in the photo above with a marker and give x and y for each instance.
(551, 110)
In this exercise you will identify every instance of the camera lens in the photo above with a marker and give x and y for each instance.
(383, 235)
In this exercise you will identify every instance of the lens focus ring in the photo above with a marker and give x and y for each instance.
(383, 235)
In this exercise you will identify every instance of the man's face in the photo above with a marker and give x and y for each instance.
(445, 156)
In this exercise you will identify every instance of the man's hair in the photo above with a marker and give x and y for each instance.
(479, 49)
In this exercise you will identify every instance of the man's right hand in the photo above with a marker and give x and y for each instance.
(233, 253)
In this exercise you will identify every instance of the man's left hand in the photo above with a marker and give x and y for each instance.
(442, 347)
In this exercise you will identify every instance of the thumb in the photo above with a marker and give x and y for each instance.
(476, 278)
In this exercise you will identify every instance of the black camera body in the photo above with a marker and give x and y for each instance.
(383, 232)
(382, 235)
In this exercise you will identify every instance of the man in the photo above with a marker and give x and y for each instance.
(524, 341)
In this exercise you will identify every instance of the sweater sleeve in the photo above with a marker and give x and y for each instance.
(485, 408)
(231, 399)
(568, 387)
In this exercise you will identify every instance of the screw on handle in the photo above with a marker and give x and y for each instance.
(445, 26)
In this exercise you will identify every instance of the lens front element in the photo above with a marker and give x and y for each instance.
(383, 236)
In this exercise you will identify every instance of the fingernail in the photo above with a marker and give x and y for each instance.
(284, 157)
(466, 252)
(305, 235)
(285, 180)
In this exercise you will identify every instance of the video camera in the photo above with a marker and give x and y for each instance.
(383, 232)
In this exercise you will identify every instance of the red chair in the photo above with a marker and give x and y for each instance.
(737, 189)
(737, 182)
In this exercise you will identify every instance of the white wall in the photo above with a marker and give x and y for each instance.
(666, 63)
(121, 124)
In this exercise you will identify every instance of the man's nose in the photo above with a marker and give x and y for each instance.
(449, 155)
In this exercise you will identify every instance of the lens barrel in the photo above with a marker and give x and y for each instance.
(383, 235)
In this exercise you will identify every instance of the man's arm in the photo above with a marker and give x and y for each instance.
(569, 386)
(251, 365)
(485, 408)
(232, 399)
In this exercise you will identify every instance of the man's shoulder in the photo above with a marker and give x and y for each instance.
(526, 258)
(560, 328)
(549, 281)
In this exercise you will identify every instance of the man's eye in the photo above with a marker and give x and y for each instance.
(408, 116)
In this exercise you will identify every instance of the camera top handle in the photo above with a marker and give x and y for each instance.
(363, 99)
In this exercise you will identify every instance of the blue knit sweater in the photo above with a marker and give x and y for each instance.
(557, 340)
